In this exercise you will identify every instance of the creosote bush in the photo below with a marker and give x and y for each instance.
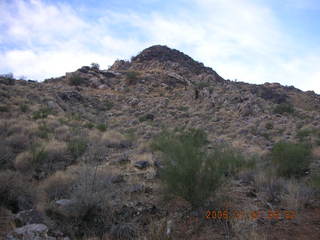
(189, 170)
(76, 80)
(291, 159)
(283, 108)
(132, 77)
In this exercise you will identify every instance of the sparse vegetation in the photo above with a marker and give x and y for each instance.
(77, 146)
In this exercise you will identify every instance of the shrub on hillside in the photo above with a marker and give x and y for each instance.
(16, 192)
(291, 159)
(189, 170)
(132, 77)
(283, 108)
(76, 80)
(88, 213)
(77, 146)
(43, 112)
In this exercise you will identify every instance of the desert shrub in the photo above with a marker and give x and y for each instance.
(183, 108)
(89, 125)
(4, 109)
(76, 80)
(132, 77)
(296, 195)
(77, 146)
(290, 159)
(43, 131)
(42, 113)
(24, 108)
(89, 213)
(58, 186)
(302, 134)
(124, 231)
(57, 156)
(16, 191)
(18, 142)
(109, 105)
(189, 171)
(102, 127)
(283, 108)
(269, 125)
(6, 156)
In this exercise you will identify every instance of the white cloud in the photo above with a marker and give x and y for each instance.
(239, 39)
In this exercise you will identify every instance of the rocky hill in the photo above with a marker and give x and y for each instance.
(96, 126)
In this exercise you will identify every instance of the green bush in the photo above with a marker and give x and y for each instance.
(132, 77)
(102, 127)
(189, 170)
(24, 108)
(304, 133)
(76, 80)
(42, 113)
(77, 147)
(88, 125)
(283, 108)
(291, 159)
(109, 105)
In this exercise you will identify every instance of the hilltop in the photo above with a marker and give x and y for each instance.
(94, 125)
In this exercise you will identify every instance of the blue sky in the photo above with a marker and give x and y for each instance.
(254, 41)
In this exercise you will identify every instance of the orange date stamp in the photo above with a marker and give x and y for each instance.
(253, 215)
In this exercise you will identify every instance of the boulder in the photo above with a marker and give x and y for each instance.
(30, 232)
(142, 164)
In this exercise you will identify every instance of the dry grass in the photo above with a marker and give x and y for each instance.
(113, 137)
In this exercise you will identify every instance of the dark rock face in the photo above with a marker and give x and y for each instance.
(165, 54)
(29, 217)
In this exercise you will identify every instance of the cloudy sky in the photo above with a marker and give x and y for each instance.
(254, 41)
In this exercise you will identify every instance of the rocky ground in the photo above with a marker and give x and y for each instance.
(76, 161)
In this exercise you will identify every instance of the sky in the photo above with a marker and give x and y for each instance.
(254, 41)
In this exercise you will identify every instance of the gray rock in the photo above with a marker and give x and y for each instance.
(64, 202)
(31, 216)
(142, 164)
(30, 232)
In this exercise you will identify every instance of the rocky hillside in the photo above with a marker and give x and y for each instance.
(97, 125)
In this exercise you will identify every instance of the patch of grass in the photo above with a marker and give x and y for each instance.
(102, 127)
(42, 113)
(283, 108)
(24, 108)
(77, 146)
(202, 85)
(44, 131)
(183, 108)
(291, 159)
